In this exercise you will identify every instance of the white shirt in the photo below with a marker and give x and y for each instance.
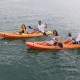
(41, 27)
(52, 41)
(78, 38)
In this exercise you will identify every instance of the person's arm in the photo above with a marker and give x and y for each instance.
(57, 39)
(24, 30)
(68, 40)
(46, 25)
(36, 29)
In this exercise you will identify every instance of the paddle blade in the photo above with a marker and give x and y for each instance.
(44, 34)
(30, 27)
(60, 45)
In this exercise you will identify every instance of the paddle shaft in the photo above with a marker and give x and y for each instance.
(37, 30)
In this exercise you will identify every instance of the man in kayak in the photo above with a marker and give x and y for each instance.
(40, 28)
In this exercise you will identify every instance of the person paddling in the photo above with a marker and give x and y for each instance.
(54, 41)
(76, 41)
(69, 39)
(40, 28)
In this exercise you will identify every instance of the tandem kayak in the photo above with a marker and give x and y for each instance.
(26, 35)
(37, 45)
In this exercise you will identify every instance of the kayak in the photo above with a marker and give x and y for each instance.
(37, 45)
(23, 35)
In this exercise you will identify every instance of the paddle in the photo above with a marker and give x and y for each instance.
(60, 45)
(30, 27)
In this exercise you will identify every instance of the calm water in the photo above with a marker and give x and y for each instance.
(17, 62)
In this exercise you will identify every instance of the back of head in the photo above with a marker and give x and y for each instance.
(69, 34)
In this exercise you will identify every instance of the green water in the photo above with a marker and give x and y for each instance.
(17, 62)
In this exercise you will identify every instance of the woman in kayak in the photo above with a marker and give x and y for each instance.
(22, 29)
(55, 40)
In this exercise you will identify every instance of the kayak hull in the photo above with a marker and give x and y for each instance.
(37, 45)
(17, 35)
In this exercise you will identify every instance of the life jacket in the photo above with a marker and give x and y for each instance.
(21, 30)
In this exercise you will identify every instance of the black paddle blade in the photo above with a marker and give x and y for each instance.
(60, 45)
(44, 34)
(30, 27)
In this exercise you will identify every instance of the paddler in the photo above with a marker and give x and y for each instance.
(22, 29)
(40, 28)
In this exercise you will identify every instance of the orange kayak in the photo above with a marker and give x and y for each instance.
(27, 35)
(37, 45)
